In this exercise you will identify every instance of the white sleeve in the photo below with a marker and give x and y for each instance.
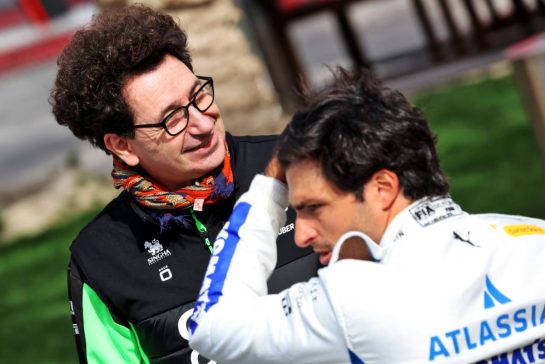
(234, 320)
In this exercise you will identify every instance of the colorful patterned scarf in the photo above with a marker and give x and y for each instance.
(151, 195)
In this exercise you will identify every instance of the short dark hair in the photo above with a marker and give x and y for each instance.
(355, 127)
(117, 44)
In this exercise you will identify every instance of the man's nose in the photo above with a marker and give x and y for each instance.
(305, 234)
(200, 123)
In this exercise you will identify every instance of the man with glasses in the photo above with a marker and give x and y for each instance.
(125, 83)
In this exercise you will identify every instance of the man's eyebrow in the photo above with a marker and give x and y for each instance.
(304, 204)
(196, 84)
(173, 105)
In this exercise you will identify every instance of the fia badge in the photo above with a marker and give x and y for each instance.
(435, 209)
(198, 204)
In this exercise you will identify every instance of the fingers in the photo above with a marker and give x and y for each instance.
(275, 170)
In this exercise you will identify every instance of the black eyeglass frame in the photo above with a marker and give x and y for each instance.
(163, 123)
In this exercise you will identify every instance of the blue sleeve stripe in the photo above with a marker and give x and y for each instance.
(224, 249)
(354, 358)
(237, 219)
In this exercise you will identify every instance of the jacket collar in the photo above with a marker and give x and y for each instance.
(415, 217)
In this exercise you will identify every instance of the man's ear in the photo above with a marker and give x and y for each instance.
(120, 146)
(384, 185)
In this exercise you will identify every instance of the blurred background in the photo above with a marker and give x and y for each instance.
(475, 67)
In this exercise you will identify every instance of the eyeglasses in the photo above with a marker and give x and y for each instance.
(178, 119)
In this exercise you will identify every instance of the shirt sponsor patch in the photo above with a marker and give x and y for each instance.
(156, 250)
(286, 229)
(521, 230)
(522, 322)
(431, 211)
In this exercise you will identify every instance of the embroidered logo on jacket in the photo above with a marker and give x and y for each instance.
(155, 248)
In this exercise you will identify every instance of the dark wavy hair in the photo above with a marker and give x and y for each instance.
(118, 44)
(355, 127)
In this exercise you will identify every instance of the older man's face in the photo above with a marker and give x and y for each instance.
(173, 161)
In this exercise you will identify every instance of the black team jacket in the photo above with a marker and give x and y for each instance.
(132, 285)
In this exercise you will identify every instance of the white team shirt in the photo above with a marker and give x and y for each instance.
(446, 287)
